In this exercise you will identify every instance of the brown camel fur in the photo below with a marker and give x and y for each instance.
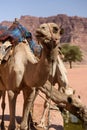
(19, 71)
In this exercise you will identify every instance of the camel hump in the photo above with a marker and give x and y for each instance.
(7, 50)
(25, 50)
(31, 57)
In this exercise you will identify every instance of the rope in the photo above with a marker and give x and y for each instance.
(51, 32)
(53, 107)
(50, 101)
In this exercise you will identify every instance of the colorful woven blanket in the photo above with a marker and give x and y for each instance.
(16, 32)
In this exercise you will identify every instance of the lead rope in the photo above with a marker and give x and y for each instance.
(48, 122)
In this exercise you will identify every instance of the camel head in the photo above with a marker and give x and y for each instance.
(48, 34)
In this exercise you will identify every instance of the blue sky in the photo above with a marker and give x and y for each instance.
(10, 9)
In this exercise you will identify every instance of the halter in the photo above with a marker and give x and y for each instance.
(51, 33)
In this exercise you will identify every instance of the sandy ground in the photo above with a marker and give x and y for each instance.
(77, 77)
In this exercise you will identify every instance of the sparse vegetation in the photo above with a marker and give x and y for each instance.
(72, 53)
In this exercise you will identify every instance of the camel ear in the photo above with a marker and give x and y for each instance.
(61, 31)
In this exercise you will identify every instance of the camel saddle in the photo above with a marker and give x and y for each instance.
(14, 35)
(11, 36)
(5, 51)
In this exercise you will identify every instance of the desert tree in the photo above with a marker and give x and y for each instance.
(72, 53)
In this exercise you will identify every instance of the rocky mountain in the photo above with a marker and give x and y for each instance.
(75, 28)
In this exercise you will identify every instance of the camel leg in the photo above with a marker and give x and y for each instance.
(12, 104)
(3, 109)
(29, 95)
(42, 122)
(60, 78)
(32, 107)
(15, 79)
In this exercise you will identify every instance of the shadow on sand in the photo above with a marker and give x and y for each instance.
(18, 119)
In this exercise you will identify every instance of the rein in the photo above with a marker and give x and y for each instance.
(51, 33)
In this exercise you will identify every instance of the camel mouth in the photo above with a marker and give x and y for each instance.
(49, 42)
(39, 34)
(42, 37)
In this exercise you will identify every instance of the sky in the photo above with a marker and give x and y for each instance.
(10, 9)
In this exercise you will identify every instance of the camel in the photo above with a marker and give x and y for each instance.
(22, 72)
(57, 76)
(43, 29)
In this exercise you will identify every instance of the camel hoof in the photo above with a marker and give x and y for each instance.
(23, 127)
(12, 127)
(42, 125)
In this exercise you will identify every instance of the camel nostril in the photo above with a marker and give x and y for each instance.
(69, 100)
(55, 40)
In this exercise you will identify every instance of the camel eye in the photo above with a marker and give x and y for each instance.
(55, 29)
(43, 27)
